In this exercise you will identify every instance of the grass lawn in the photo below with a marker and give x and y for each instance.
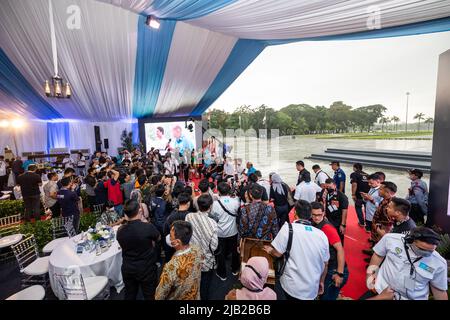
(424, 135)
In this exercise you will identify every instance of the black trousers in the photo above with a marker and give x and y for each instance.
(56, 210)
(92, 202)
(341, 235)
(289, 297)
(3, 182)
(282, 214)
(225, 247)
(416, 213)
(146, 281)
(205, 283)
(32, 207)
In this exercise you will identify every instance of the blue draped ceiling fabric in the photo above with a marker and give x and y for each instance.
(121, 70)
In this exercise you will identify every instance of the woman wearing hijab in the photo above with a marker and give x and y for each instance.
(253, 278)
(137, 195)
(279, 196)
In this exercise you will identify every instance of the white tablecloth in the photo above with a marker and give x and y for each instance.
(10, 240)
(107, 264)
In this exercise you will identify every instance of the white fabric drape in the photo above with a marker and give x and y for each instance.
(195, 58)
(98, 59)
(82, 134)
(291, 19)
(32, 137)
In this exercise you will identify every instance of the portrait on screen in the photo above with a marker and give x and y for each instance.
(169, 136)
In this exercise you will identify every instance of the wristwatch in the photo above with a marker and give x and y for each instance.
(341, 275)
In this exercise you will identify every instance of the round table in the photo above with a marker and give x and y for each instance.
(10, 240)
(107, 264)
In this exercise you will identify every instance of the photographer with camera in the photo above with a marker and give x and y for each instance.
(409, 265)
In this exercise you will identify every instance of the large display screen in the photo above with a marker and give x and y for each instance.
(169, 136)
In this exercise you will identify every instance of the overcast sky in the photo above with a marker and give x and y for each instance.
(360, 73)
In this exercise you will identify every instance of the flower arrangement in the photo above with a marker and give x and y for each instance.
(100, 232)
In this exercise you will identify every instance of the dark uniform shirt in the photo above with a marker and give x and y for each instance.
(404, 227)
(362, 184)
(339, 176)
(29, 184)
(136, 238)
(68, 201)
(334, 204)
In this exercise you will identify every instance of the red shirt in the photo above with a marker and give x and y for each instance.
(331, 233)
(114, 192)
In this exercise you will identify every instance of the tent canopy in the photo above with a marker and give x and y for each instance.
(120, 69)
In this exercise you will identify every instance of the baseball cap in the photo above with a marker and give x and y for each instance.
(334, 162)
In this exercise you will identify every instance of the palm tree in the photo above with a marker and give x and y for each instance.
(383, 121)
(429, 121)
(395, 119)
(419, 116)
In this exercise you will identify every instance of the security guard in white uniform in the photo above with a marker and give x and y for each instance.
(411, 266)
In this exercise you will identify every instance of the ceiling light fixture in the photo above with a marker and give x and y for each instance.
(56, 88)
(152, 22)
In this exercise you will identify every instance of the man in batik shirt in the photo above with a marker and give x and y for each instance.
(180, 278)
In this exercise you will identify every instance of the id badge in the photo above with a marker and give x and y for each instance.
(331, 208)
(410, 283)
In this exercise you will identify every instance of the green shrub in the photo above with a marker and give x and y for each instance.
(11, 207)
(42, 231)
(87, 220)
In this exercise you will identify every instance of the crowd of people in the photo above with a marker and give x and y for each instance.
(188, 218)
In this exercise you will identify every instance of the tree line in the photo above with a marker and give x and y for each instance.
(305, 119)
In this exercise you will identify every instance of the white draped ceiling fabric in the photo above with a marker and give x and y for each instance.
(120, 69)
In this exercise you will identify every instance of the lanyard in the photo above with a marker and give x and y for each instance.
(412, 269)
(332, 196)
(373, 191)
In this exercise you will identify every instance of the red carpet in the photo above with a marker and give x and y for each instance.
(355, 241)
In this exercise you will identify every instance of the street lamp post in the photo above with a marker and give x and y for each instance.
(407, 102)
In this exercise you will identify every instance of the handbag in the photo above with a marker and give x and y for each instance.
(290, 198)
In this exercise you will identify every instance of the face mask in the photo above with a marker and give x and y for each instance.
(168, 242)
(420, 252)
(330, 190)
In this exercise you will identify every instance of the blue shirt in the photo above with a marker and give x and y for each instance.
(182, 144)
(27, 163)
(339, 176)
(68, 201)
(418, 194)
(251, 170)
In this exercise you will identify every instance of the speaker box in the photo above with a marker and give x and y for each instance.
(106, 143)
(98, 140)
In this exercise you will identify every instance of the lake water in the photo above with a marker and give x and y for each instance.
(269, 157)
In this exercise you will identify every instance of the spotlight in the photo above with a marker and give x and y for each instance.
(4, 124)
(152, 22)
(17, 123)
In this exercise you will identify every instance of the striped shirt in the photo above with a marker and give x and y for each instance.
(204, 235)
